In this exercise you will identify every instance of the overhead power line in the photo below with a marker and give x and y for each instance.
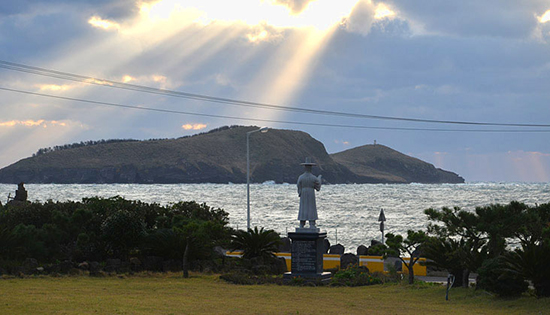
(270, 120)
(201, 97)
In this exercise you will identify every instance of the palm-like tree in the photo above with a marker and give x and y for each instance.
(256, 243)
(531, 262)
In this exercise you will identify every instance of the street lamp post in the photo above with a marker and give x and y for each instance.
(263, 130)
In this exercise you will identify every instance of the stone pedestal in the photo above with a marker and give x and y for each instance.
(307, 255)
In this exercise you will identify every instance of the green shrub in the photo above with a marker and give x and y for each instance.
(494, 277)
(123, 231)
(243, 278)
(354, 276)
(96, 228)
(256, 243)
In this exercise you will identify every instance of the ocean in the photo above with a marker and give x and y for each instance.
(348, 213)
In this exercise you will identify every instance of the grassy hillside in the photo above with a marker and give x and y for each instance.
(219, 156)
(216, 157)
(382, 164)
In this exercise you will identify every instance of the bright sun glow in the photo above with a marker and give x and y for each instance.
(320, 14)
(257, 37)
(128, 78)
(54, 87)
(545, 17)
(96, 21)
(382, 11)
(208, 26)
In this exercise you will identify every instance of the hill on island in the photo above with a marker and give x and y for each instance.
(218, 156)
(379, 164)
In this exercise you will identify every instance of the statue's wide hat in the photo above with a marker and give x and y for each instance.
(308, 162)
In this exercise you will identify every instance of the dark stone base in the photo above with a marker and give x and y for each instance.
(323, 277)
(307, 252)
(307, 257)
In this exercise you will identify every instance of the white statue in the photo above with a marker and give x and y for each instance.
(307, 184)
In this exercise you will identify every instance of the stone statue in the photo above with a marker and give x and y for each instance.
(20, 196)
(307, 184)
(20, 193)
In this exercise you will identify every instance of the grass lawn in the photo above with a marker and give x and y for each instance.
(171, 294)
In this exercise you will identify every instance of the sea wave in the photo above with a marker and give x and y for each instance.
(350, 211)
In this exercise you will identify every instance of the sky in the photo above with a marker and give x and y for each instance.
(342, 61)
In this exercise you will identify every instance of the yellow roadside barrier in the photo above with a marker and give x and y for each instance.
(374, 263)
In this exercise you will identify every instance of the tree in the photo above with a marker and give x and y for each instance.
(190, 235)
(495, 277)
(256, 243)
(462, 226)
(472, 238)
(122, 232)
(199, 238)
(7, 242)
(531, 260)
(397, 245)
(445, 253)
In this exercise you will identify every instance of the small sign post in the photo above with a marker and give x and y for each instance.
(381, 219)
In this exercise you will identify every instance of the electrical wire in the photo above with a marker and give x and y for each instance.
(268, 120)
(119, 85)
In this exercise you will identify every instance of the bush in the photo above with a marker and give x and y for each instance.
(99, 228)
(494, 277)
(248, 279)
(256, 243)
(354, 276)
(123, 232)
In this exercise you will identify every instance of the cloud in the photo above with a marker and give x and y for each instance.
(263, 33)
(193, 126)
(54, 87)
(146, 80)
(545, 17)
(222, 79)
(295, 6)
(342, 142)
(463, 60)
(319, 14)
(98, 22)
(368, 17)
(382, 11)
(490, 18)
(111, 8)
(27, 123)
(37, 123)
(361, 18)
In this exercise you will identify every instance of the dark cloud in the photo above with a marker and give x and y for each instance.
(501, 18)
(43, 36)
(436, 77)
(113, 9)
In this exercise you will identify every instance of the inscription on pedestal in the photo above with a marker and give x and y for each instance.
(307, 257)
(304, 256)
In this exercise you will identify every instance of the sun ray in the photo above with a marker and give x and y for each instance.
(194, 32)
